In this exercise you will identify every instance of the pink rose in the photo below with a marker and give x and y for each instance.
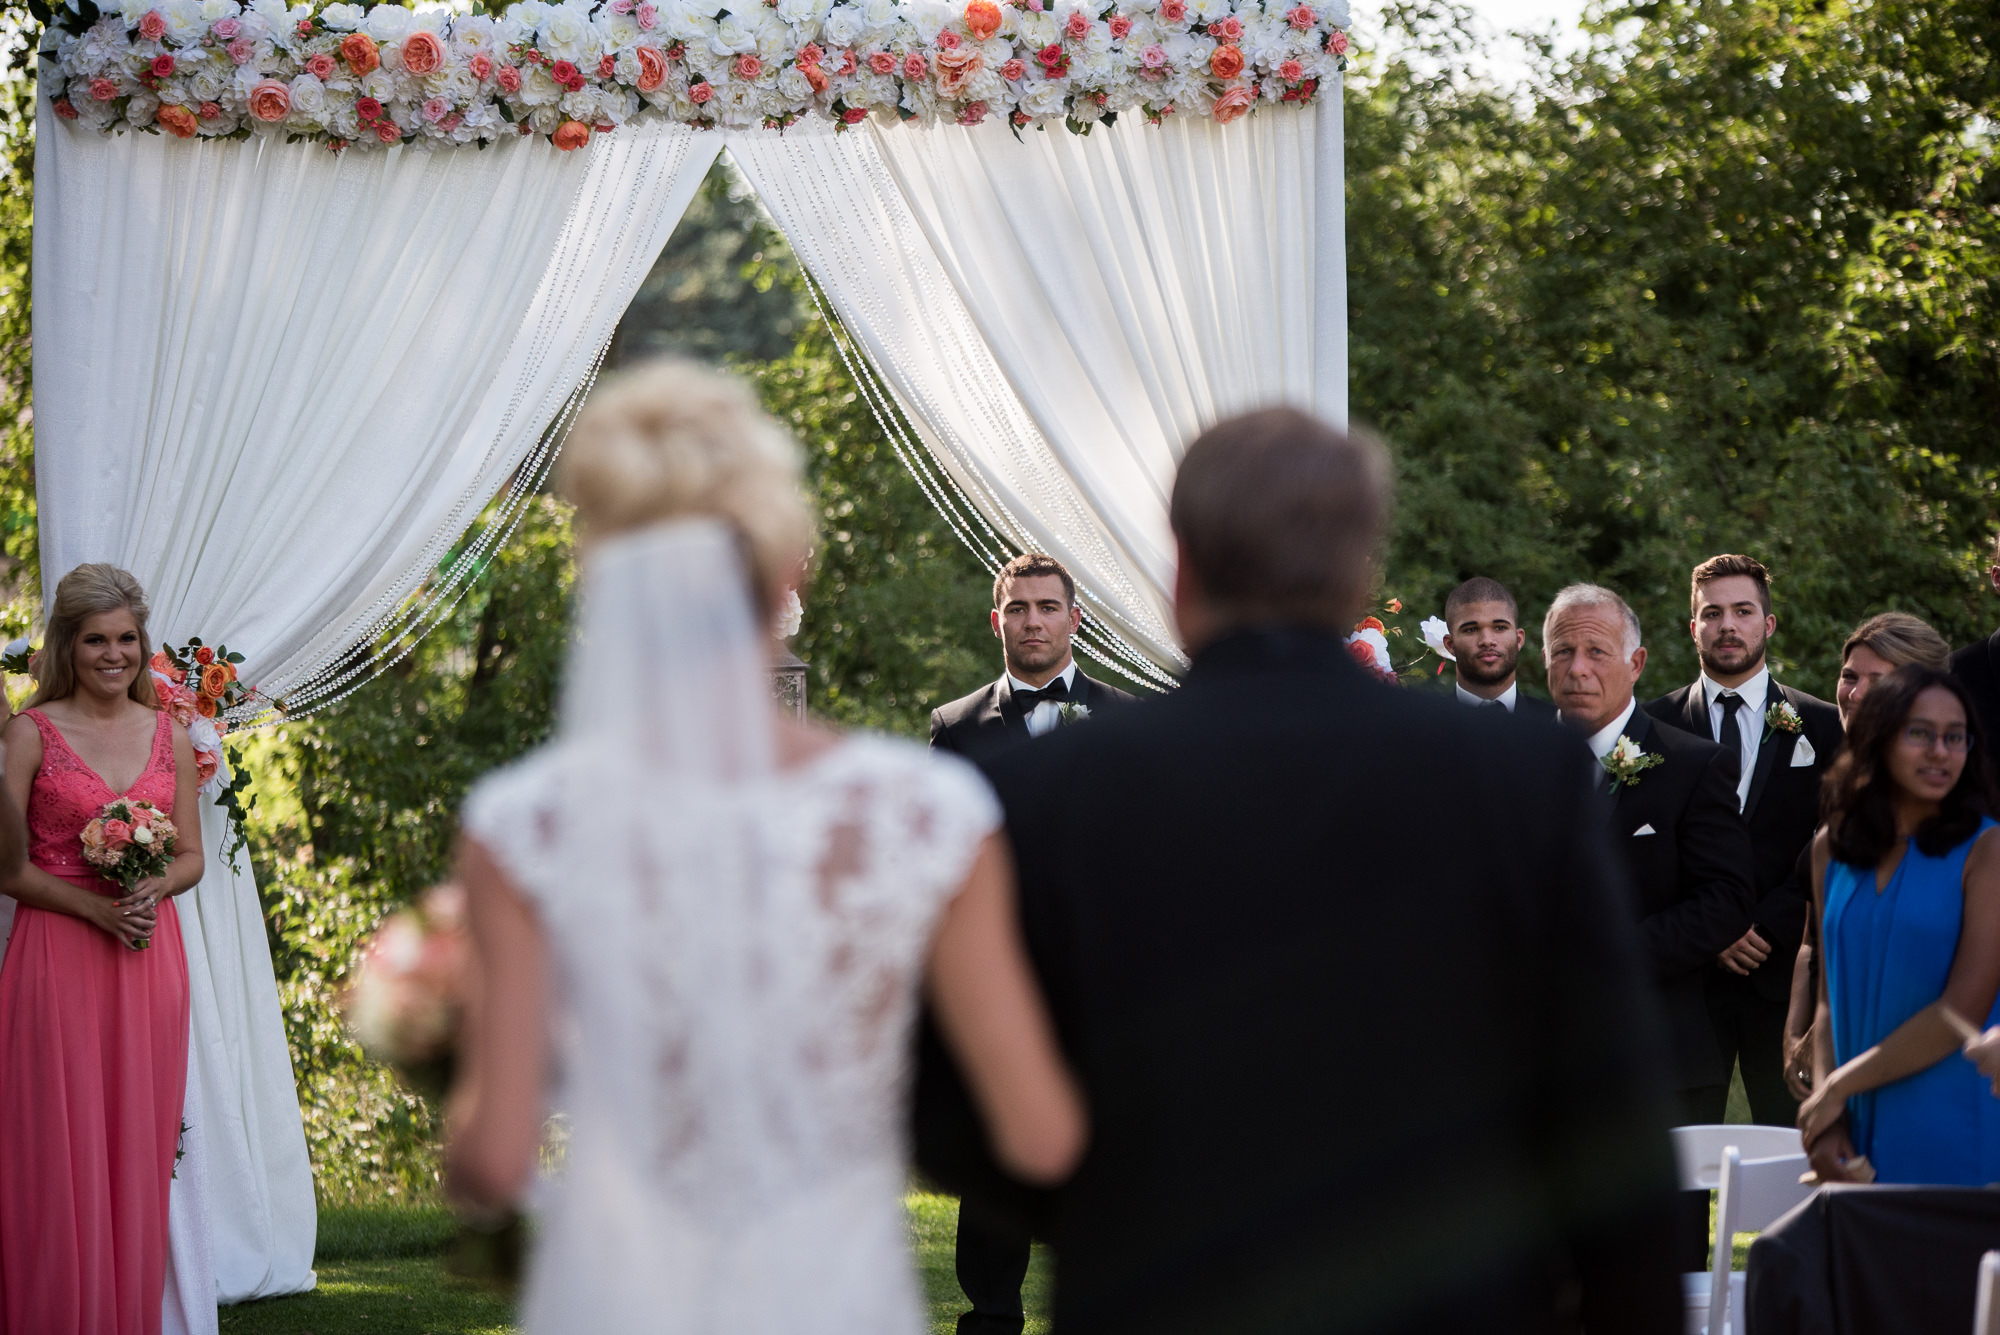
(1121, 27)
(270, 101)
(607, 66)
(388, 131)
(1154, 57)
(881, 62)
(748, 67)
(117, 834)
(510, 79)
(1013, 69)
(1229, 28)
(948, 40)
(423, 53)
(914, 67)
(571, 135)
(208, 111)
(368, 109)
(649, 18)
(320, 66)
(1302, 17)
(1233, 105)
(1173, 11)
(227, 29)
(102, 89)
(64, 109)
(652, 68)
(622, 6)
(1078, 26)
(452, 122)
(205, 765)
(816, 77)
(436, 109)
(162, 66)
(242, 50)
(849, 62)
(700, 93)
(1338, 44)
(1291, 71)
(152, 25)
(480, 66)
(973, 114)
(853, 115)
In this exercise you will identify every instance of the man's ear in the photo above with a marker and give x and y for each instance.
(1449, 647)
(1638, 662)
(993, 620)
(1520, 639)
(1075, 617)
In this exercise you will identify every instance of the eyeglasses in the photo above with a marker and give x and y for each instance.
(1923, 737)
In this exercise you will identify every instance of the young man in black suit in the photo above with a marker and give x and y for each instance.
(1672, 811)
(1484, 637)
(1035, 615)
(1334, 1083)
(1784, 740)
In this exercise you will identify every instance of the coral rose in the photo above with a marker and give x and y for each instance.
(1360, 651)
(64, 109)
(1232, 105)
(571, 134)
(853, 115)
(359, 51)
(1228, 28)
(1077, 26)
(1302, 17)
(1226, 62)
(1371, 623)
(117, 833)
(320, 66)
(914, 67)
(815, 76)
(973, 114)
(270, 101)
(509, 78)
(388, 132)
(227, 29)
(1013, 69)
(204, 705)
(652, 68)
(1337, 44)
(1121, 27)
(178, 121)
(607, 66)
(480, 66)
(849, 62)
(152, 25)
(749, 67)
(103, 89)
(982, 19)
(1173, 11)
(423, 53)
(881, 62)
(1291, 71)
(700, 92)
(948, 40)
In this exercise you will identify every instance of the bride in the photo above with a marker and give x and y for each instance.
(702, 926)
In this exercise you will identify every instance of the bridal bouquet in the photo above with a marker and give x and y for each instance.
(128, 842)
(407, 998)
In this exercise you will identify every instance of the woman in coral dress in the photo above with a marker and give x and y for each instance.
(93, 1029)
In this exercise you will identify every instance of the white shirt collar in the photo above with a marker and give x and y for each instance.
(1755, 692)
(1606, 737)
(1506, 697)
(1068, 676)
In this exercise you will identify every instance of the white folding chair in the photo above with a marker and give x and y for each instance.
(1754, 1192)
(1986, 1315)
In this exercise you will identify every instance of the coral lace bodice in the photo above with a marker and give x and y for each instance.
(68, 794)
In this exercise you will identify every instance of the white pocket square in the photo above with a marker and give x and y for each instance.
(1802, 753)
(1644, 829)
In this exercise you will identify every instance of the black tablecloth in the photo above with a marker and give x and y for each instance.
(1856, 1260)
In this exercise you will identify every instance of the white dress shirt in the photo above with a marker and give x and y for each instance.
(1044, 716)
(1749, 721)
(1606, 737)
(1506, 697)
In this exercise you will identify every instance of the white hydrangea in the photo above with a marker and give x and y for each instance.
(386, 23)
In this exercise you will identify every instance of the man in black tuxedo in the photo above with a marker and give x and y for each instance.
(1673, 814)
(1484, 637)
(1784, 740)
(1978, 667)
(1335, 1084)
(1035, 615)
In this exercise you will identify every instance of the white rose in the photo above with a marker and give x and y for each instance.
(1038, 30)
(700, 9)
(215, 9)
(733, 36)
(432, 19)
(538, 90)
(138, 111)
(802, 12)
(881, 14)
(843, 26)
(1042, 98)
(1434, 632)
(386, 23)
(581, 105)
(185, 23)
(141, 835)
(792, 83)
(925, 23)
(343, 18)
(567, 34)
(618, 105)
(132, 11)
(247, 77)
(380, 85)
(615, 31)
(308, 97)
(273, 10)
(473, 32)
(1335, 12)
(741, 105)
(208, 84)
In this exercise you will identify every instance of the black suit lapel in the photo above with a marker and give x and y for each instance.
(1626, 795)
(1768, 748)
(1011, 715)
(1695, 710)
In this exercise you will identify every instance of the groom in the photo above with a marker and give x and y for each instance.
(1034, 615)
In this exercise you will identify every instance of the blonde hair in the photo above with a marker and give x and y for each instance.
(83, 593)
(668, 438)
(1899, 639)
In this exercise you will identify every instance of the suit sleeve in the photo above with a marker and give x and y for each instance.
(1715, 859)
(941, 733)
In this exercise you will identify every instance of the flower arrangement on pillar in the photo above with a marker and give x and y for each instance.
(198, 685)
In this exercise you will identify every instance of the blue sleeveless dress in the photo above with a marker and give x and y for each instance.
(1887, 958)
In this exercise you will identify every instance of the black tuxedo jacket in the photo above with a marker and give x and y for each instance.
(1690, 858)
(1782, 811)
(1977, 667)
(1340, 1059)
(1529, 708)
(987, 721)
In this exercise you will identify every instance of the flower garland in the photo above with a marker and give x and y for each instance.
(197, 685)
(357, 76)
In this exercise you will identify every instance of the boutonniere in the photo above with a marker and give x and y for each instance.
(1069, 712)
(1781, 717)
(1625, 762)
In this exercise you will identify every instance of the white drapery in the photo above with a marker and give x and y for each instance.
(276, 384)
(1059, 315)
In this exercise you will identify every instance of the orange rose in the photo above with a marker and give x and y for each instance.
(358, 50)
(572, 134)
(229, 668)
(215, 680)
(177, 121)
(1371, 623)
(1233, 105)
(204, 705)
(982, 19)
(1226, 62)
(423, 53)
(652, 68)
(815, 76)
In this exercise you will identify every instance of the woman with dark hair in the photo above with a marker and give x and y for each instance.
(1906, 883)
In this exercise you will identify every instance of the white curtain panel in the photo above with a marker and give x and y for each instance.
(276, 383)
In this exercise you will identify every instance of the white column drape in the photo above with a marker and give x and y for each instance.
(276, 384)
(1059, 315)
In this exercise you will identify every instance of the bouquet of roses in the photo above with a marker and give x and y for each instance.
(127, 842)
(407, 998)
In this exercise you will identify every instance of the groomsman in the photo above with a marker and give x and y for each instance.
(1673, 810)
(1784, 740)
(1034, 616)
(1485, 639)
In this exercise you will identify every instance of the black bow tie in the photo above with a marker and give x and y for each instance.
(1055, 692)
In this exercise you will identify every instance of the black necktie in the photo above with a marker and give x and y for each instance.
(1492, 704)
(1056, 691)
(1731, 736)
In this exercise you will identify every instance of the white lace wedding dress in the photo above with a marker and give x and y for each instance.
(737, 966)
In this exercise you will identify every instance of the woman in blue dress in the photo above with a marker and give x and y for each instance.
(1906, 878)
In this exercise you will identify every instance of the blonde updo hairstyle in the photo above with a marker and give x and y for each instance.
(668, 439)
(83, 593)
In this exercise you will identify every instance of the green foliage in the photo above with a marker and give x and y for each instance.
(20, 564)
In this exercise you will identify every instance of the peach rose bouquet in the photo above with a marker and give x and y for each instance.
(405, 1002)
(127, 842)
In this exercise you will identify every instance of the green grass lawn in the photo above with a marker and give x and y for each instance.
(382, 1272)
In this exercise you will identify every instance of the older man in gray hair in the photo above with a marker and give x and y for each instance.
(1673, 811)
